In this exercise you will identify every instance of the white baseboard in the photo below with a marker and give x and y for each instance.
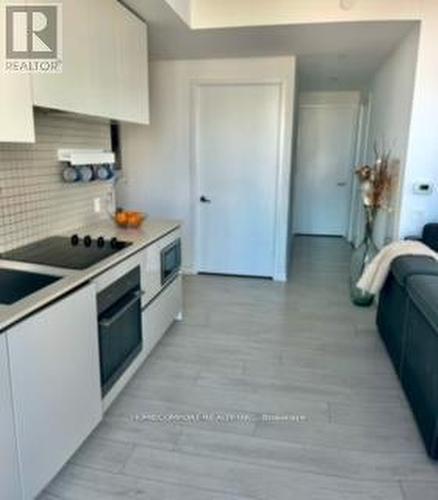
(188, 271)
(280, 277)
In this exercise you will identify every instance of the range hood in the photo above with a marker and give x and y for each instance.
(86, 156)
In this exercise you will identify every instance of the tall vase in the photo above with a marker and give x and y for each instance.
(361, 257)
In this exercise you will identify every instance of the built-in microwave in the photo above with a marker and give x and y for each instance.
(170, 261)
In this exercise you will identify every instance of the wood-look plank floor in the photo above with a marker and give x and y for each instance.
(252, 347)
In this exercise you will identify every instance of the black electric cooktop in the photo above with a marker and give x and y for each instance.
(68, 253)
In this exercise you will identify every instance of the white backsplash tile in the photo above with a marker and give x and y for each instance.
(34, 201)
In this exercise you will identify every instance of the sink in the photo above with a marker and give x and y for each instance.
(16, 285)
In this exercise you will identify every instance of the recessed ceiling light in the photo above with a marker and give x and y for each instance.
(347, 4)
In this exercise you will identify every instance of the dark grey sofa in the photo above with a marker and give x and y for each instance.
(407, 320)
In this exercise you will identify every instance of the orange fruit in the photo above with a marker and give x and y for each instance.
(134, 219)
(122, 218)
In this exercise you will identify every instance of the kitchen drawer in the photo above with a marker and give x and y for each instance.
(160, 314)
(151, 266)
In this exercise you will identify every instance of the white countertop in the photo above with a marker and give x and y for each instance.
(151, 231)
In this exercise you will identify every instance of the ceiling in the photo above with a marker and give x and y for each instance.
(333, 56)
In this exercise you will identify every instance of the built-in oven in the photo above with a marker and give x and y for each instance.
(120, 327)
(170, 261)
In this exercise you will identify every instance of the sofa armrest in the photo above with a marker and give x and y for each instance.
(412, 265)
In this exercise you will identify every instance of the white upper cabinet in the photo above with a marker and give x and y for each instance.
(9, 475)
(16, 113)
(105, 64)
(132, 67)
(71, 89)
(102, 47)
(105, 70)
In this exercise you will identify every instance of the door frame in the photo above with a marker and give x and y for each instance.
(362, 144)
(340, 105)
(283, 174)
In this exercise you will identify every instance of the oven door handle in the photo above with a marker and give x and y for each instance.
(107, 322)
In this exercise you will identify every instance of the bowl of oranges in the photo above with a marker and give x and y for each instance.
(129, 220)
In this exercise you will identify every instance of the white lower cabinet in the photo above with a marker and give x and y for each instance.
(10, 488)
(151, 272)
(54, 365)
(161, 313)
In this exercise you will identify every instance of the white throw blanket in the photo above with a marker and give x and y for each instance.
(375, 274)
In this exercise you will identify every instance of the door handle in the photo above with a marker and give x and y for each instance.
(342, 184)
(203, 199)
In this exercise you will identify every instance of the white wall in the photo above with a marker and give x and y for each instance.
(156, 158)
(391, 95)
(231, 13)
(330, 98)
(422, 156)
(183, 8)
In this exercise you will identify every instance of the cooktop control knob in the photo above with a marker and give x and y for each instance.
(88, 241)
(75, 240)
(114, 243)
(101, 242)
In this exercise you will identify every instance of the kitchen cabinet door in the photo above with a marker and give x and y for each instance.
(9, 476)
(120, 73)
(16, 116)
(160, 314)
(132, 67)
(54, 364)
(151, 272)
(104, 41)
(71, 89)
(16, 111)
(105, 64)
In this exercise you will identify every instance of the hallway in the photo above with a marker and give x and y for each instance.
(251, 347)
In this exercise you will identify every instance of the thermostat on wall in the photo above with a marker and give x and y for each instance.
(423, 187)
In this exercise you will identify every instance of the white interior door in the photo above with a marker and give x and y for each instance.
(237, 140)
(326, 140)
